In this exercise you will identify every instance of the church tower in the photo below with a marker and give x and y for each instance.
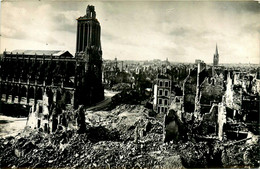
(88, 31)
(89, 56)
(216, 57)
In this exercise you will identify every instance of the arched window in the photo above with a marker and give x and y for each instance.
(39, 94)
(58, 96)
(23, 92)
(31, 93)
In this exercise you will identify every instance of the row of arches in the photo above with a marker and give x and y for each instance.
(24, 94)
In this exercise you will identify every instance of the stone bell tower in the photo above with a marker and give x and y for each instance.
(88, 31)
(89, 53)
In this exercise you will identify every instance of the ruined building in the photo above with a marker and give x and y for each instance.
(217, 103)
(162, 94)
(28, 75)
(192, 85)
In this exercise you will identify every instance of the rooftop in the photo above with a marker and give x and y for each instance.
(42, 52)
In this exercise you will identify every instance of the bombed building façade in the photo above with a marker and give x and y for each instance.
(26, 75)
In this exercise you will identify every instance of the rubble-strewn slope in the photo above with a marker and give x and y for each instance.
(124, 137)
(126, 120)
(73, 150)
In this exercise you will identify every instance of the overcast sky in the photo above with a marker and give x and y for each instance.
(179, 31)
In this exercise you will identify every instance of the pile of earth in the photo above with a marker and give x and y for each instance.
(124, 137)
(129, 121)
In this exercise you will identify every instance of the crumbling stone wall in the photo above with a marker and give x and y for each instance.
(212, 123)
(256, 86)
(222, 119)
(233, 95)
(44, 118)
(208, 122)
(39, 115)
(189, 91)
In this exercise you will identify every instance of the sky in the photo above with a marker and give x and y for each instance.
(181, 31)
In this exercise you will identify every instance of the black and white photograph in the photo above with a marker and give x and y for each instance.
(129, 84)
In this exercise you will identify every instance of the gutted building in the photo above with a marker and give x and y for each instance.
(162, 94)
(26, 75)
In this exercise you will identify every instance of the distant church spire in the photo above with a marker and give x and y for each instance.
(216, 57)
(216, 49)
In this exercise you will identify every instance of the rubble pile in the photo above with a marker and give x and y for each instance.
(70, 149)
(126, 120)
(237, 155)
(124, 137)
(194, 154)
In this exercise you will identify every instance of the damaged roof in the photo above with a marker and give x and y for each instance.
(42, 52)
